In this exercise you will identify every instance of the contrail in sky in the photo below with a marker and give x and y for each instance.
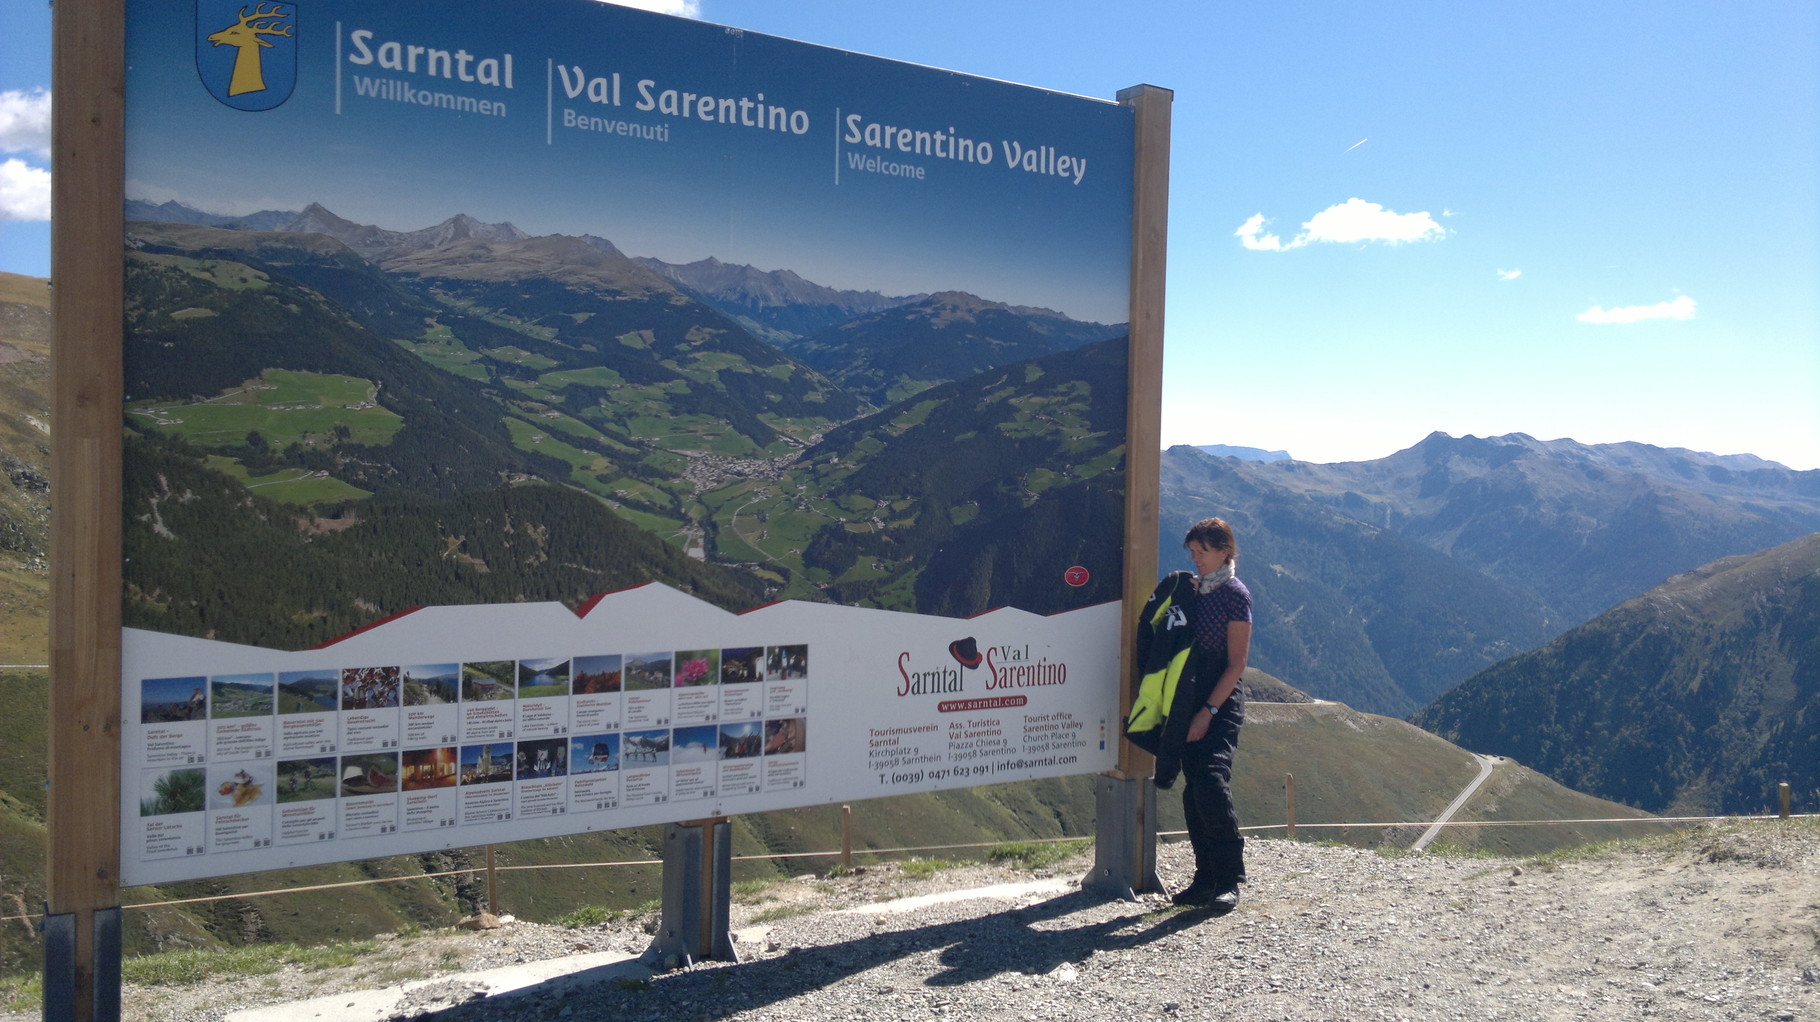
(1355, 145)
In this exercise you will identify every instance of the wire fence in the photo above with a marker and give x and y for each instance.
(841, 853)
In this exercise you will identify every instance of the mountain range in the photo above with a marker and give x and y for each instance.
(776, 305)
(1384, 583)
(1245, 453)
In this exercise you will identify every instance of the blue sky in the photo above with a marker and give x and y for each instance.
(1596, 221)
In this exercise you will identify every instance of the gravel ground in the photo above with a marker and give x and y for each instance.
(1720, 923)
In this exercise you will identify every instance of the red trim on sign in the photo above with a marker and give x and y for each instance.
(366, 628)
(587, 608)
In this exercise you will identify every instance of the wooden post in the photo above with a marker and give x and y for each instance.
(1125, 823)
(1144, 413)
(492, 883)
(716, 889)
(1289, 790)
(1782, 797)
(846, 837)
(87, 296)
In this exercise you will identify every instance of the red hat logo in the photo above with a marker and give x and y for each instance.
(965, 652)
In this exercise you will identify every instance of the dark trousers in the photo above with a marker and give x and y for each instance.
(1213, 823)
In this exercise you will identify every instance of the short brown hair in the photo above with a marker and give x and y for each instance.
(1214, 533)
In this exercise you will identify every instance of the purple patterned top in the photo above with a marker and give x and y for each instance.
(1213, 611)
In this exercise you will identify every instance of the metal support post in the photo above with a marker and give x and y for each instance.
(697, 898)
(1124, 855)
(65, 996)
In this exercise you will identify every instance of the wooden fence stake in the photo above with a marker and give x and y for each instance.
(1289, 787)
(492, 883)
(1782, 797)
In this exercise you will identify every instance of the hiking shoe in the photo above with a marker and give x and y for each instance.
(1195, 894)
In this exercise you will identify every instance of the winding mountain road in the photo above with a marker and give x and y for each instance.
(1486, 765)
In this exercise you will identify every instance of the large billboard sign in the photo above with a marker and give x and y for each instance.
(444, 320)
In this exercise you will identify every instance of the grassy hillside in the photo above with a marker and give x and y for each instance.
(22, 739)
(1358, 767)
(25, 387)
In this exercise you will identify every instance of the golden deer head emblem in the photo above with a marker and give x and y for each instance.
(249, 71)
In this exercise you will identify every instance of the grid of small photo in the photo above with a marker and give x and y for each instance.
(247, 761)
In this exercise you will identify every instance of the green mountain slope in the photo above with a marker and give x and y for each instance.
(212, 557)
(934, 505)
(287, 365)
(1353, 767)
(25, 416)
(204, 322)
(597, 309)
(1701, 695)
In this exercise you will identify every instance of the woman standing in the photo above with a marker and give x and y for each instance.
(1220, 615)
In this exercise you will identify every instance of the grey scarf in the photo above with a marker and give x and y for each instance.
(1205, 584)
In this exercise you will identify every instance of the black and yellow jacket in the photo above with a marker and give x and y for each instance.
(1163, 707)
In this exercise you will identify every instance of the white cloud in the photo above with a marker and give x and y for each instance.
(1509, 274)
(25, 122)
(1248, 233)
(1354, 220)
(1357, 220)
(1681, 308)
(683, 8)
(25, 191)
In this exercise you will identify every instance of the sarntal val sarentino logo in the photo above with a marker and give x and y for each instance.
(247, 55)
(1006, 667)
